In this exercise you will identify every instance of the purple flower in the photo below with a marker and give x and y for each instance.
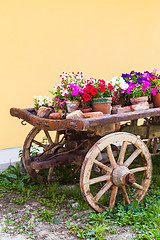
(139, 79)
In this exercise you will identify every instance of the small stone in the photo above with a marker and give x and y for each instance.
(140, 106)
(55, 115)
(75, 114)
(92, 114)
(74, 205)
(44, 112)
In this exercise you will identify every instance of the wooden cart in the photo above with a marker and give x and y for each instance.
(113, 158)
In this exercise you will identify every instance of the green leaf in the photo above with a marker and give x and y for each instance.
(20, 184)
(12, 168)
(56, 221)
(26, 176)
(11, 175)
(18, 169)
(5, 180)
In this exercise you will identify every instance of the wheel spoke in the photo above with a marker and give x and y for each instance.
(103, 166)
(111, 156)
(50, 174)
(137, 186)
(148, 142)
(113, 196)
(122, 152)
(124, 194)
(154, 145)
(56, 137)
(99, 157)
(40, 144)
(99, 179)
(48, 137)
(132, 157)
(139, 169)
(103, 190)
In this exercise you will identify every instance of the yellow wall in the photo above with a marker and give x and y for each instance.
(42, 38)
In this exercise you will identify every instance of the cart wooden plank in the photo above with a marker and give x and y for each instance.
(82, 124)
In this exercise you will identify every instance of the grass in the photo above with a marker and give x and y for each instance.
(61, 202)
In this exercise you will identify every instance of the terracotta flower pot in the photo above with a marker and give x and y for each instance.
(139, 100)
(72, 105)
(156, 100)
(102, 105)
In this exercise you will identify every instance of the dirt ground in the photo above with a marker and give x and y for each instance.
(41, 230)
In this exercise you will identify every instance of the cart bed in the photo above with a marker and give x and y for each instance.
(82, 124)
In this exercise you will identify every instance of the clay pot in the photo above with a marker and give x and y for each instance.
(139, 100)
(102, 105)
(156, 100)
(72, 105)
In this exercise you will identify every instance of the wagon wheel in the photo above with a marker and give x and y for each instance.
(45, 147)
(130, 173)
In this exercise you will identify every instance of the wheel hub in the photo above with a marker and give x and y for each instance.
(121, 175)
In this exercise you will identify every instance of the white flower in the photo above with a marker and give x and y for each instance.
(106, 82)
(119, 82)
(64, 92)
(114, 81)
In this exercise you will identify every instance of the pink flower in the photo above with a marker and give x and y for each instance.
(154, 91)
(155, 70)
(146, 84)
(146, 75)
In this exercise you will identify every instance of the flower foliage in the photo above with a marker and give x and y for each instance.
(120, 86)
(40, 101)
(70, 87)
(93, 88)
(142, 84)
(155, 82)
(136, 90)
(59, 104)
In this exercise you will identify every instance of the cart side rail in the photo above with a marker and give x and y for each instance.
(81, 124)
(44, 123)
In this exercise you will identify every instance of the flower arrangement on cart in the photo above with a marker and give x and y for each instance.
(76, 96)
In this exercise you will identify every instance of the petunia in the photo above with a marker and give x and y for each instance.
(154, 91)
(155, 70)
(94, 91)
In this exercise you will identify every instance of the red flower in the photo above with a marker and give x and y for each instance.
(101, 81)
(94, 91)
(110, 86)
(102, 88)
(153, 77)
(89, 88)
(86, 97)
